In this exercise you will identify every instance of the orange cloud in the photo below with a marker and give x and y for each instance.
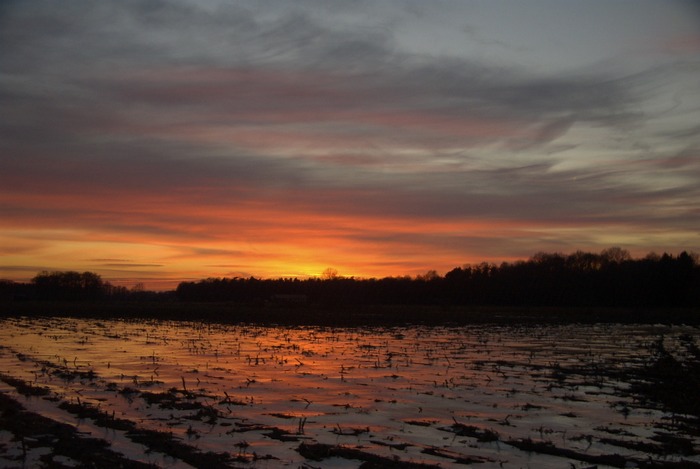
(173, 238)
(287, 145)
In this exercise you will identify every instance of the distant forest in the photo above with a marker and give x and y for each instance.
(609, 279)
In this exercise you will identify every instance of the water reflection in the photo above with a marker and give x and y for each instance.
(396, 392)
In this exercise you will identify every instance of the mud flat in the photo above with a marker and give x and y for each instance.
(155, 393)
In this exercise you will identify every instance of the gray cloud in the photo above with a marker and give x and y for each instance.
(366, 70)
(218, 104)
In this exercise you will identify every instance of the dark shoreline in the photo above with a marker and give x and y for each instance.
(349, 316)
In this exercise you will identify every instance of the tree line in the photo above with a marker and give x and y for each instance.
(611, 278)
(72, 286)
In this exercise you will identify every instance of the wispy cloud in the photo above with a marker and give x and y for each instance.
(285, 134)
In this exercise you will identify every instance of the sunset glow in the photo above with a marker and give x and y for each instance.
(189, 140)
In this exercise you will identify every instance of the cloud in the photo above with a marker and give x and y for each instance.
(242, 131)
(22, 268)
(270, 72)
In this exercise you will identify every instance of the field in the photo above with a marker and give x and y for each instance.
(140, 393)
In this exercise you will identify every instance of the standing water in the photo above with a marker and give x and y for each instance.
(185, 394)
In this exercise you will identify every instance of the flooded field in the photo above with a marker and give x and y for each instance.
(174, 394)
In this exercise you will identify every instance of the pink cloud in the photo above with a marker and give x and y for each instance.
(689, 44)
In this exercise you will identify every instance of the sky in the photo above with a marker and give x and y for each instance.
(159, 141)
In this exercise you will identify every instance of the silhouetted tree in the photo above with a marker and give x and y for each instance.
(611, 278)
(615, 255)
(329, 273)
(68, 285)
